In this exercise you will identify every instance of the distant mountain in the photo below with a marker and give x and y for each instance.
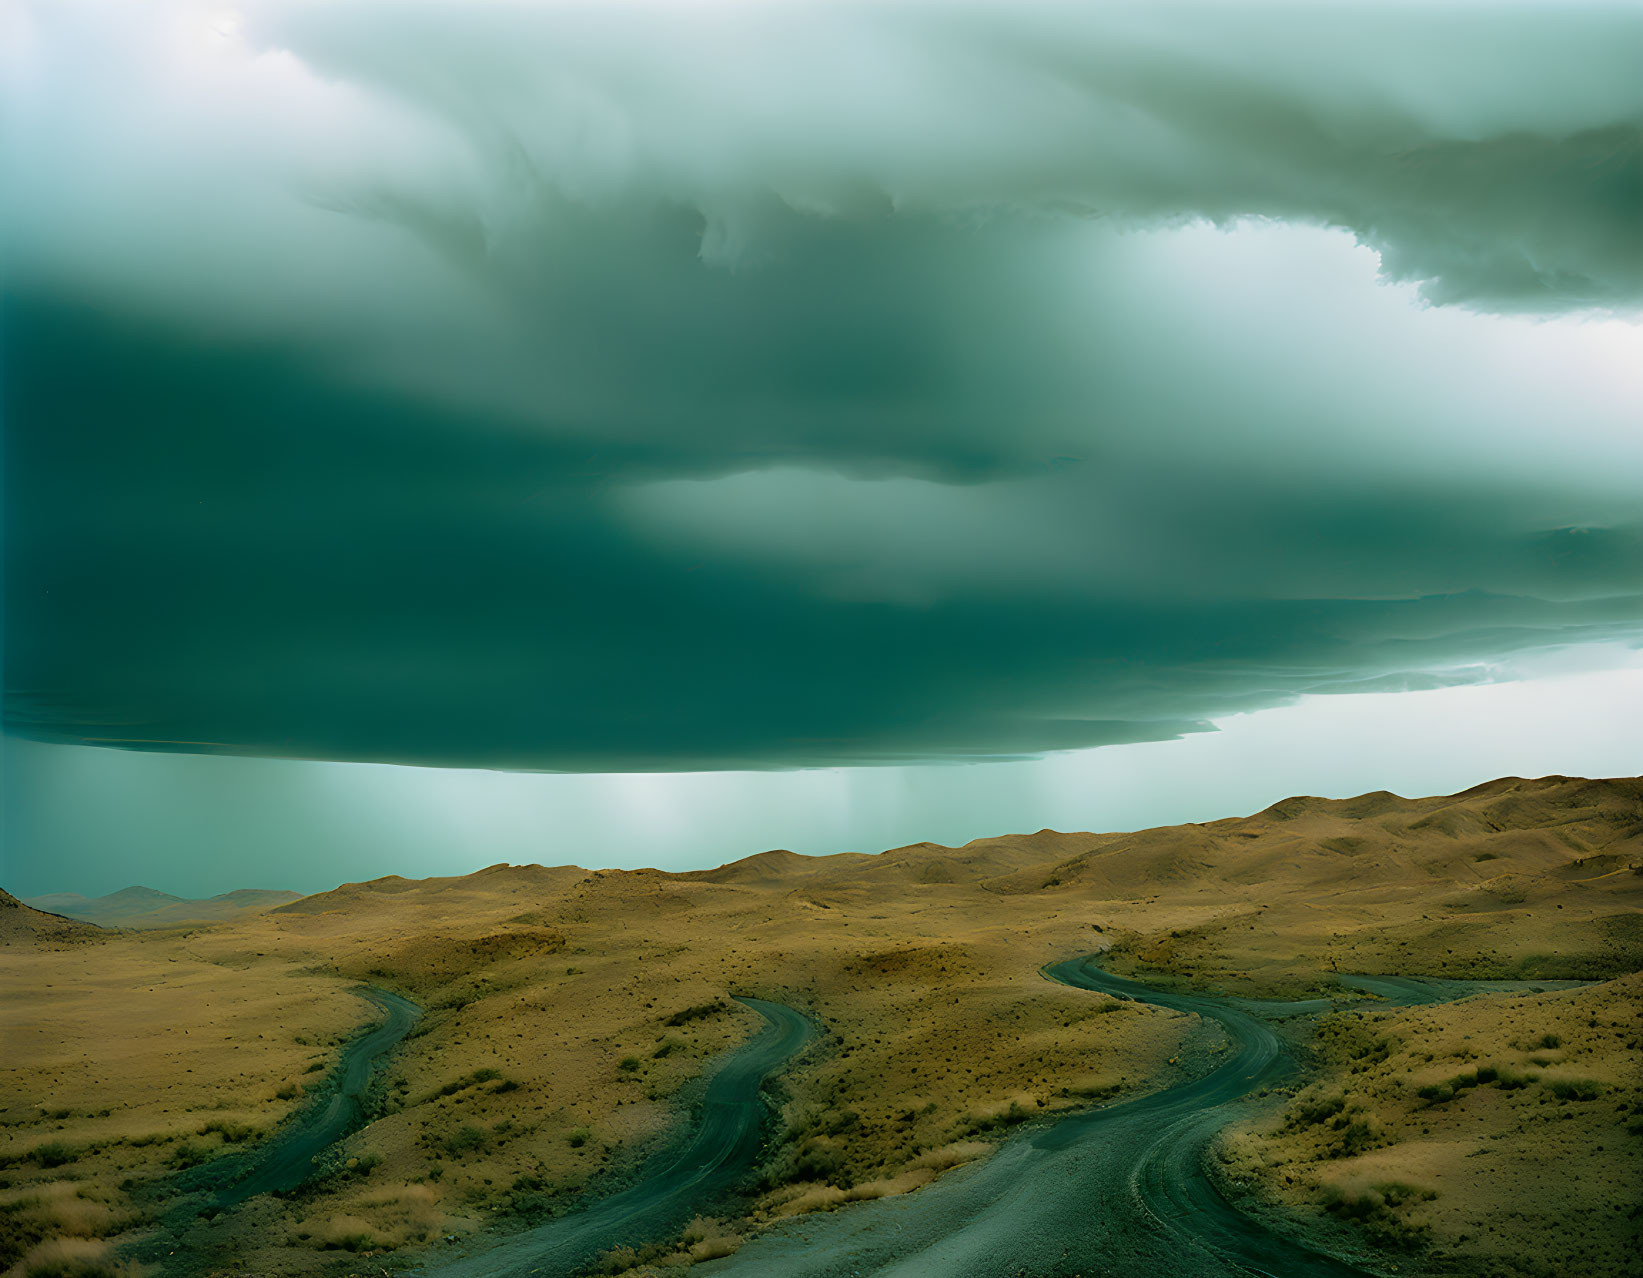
(22, 924)
(143, 907)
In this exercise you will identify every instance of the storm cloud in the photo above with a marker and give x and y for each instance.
(631, 387)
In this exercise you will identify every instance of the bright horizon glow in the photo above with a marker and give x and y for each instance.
(94, 821)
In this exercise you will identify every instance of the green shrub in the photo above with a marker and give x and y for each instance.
(54, 1153)
(694, 1013)
(1357, 1137)
(467, 1139)
(1378, 1210)
(482, 1075)
(232, 1133)
(815, 1161)
(1311, 1113)
(1575, 1089)
(530, 1196)
(628, 1064)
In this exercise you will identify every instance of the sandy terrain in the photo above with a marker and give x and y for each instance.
(569, 1012)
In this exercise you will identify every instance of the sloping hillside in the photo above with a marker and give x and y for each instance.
(496, 887)
(22, 924)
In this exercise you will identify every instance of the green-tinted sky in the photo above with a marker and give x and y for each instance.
(665, 388)
(199, 824)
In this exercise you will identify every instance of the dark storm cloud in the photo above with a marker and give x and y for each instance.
(617, 388)
(218, 550)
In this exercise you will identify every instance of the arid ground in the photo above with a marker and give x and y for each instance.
(570, 1018)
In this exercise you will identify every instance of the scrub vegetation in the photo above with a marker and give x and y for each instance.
(1496, 1135)
(572, 1016)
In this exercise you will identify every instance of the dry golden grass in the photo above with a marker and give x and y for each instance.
(547, 1054)
(1502, 1135)
(129, 1058)
(570, 1011)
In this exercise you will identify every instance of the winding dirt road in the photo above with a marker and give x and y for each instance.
(678, 1183)
(1117, 1192)
(1108, 1193)
(288, 1160)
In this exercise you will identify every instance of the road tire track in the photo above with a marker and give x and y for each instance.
(725, 1145)
(1114, 1192)
(288, 1159)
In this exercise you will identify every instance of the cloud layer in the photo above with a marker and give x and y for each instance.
(642, 387)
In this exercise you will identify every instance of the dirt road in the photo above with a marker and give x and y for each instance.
(1110, 1193)
(288, 1160)
(678, 1183)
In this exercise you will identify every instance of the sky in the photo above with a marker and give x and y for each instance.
(195, 825)
(676, 429)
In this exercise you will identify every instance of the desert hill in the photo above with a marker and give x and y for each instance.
(143, 907)
(495, 884)
(1489, 857)
(776, 868)
(22, 924)
(568, 1008)
(1511, 826)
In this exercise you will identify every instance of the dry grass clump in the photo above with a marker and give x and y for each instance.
(63, 1207)
(714, 1248)
(59, 1222)
(702, 1240)
(950, 1156)
(705, 1239)
(381, 1220)
(1382, 1209)
(73, 1258)
(794, 1200)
